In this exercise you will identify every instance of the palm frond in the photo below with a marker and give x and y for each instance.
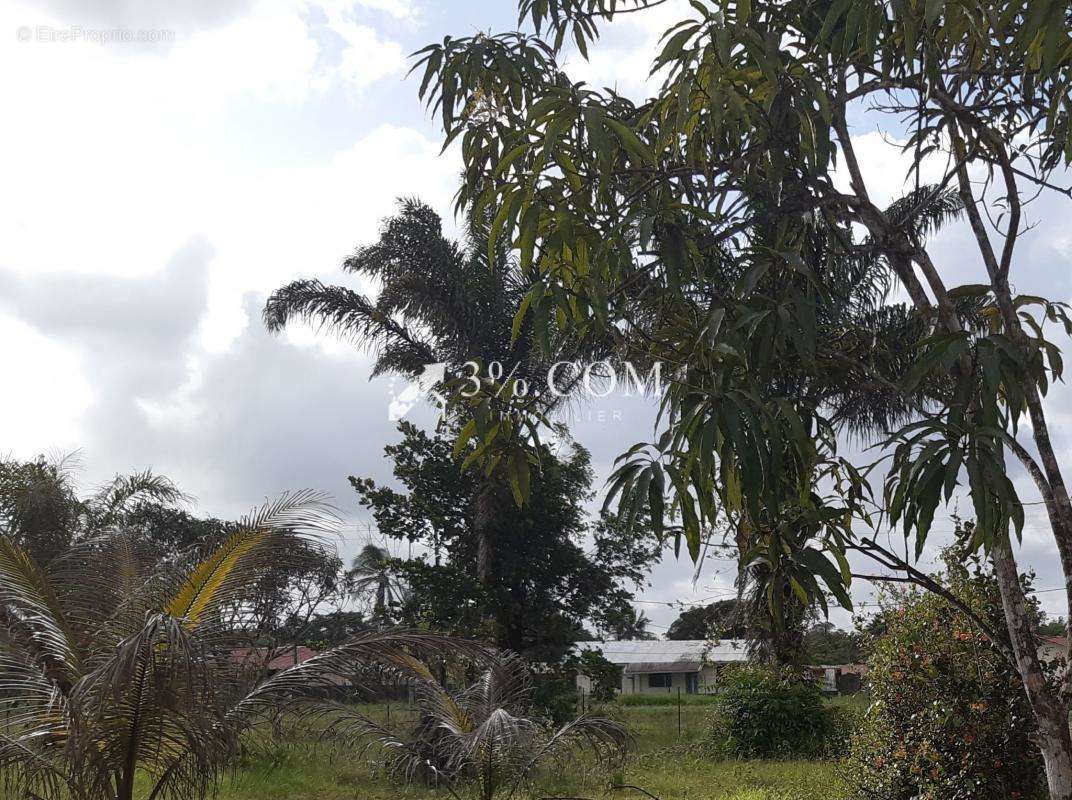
(154, 706)
(926, 209)
(341, 310)
(397, 653)
(32, 607)
(124, 490)
(262, 538)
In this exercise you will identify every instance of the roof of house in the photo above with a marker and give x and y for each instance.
(665, 655)
(249, 656)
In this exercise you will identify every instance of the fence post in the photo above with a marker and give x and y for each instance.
(679, 712)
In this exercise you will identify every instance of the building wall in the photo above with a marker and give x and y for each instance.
(638, 684)
(1051, 652)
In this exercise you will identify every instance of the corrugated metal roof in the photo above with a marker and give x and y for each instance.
(665, 655)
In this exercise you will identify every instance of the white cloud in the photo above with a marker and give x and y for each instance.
(399, 9)
(302, 221)
(45, 392)
(622, 57)
(116, 157)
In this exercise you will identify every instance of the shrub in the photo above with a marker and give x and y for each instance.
(948, 717)
(843, 722)
(768, 712)
(481, 740)
(606, 677)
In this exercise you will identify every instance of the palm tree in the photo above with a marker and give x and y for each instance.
(41, 509)
(480, 738)
(630, 624)
(116, 665)
(439, 302)
(372, 572)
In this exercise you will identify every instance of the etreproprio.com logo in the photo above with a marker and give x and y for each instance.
(597, 379)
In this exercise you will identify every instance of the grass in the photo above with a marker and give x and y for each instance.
(333, 776)
(663, 764)
(304, 767)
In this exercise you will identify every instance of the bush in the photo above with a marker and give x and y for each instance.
(768, 712)
(843, 722)
(948, 717)
(554, 695)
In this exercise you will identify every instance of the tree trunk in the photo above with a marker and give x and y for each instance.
(483, 527)
(1057, 755)
(1051, 714)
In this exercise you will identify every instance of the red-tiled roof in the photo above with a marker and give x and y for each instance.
(250, 656)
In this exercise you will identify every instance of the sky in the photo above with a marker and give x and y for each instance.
(165, 166)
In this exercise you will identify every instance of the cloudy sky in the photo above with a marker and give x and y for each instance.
(158, 183)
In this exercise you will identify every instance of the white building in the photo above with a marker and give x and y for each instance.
(666, 666)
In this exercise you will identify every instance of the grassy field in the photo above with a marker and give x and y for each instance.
(663, 763)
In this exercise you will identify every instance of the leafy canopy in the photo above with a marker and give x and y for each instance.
(705, 228)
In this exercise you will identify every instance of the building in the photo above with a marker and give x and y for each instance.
(251, 660)
(666, 666)
(1052, 648)
(253, 657)
(839, 678)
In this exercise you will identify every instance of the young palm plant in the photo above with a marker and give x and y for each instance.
(115, 668)
(479, 741)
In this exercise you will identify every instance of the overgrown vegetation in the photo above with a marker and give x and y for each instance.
(726, 225)
(544, 583)
(661, 763)
(948, 715)
(481, 740)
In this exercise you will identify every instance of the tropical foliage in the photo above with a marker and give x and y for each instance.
(554, 571)
(373, 572)
(455, 304)
(42, 511)
(768, 712)
(480, 739)
(722, 619)
(116, 666)
(708, 227)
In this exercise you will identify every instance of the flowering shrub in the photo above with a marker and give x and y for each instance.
(948, 717)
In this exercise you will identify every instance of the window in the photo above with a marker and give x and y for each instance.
(660, 680)
(692, 683)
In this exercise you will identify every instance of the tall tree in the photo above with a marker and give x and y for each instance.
(735, 155)
(545, 587)
(824, 643)
(627, 624)
(443, 302)
(722, 619)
